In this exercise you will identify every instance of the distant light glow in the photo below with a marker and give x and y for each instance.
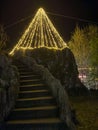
(40, 33)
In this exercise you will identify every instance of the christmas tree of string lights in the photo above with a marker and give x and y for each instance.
(40, 33)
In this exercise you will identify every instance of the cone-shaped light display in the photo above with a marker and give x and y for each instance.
(40, 33)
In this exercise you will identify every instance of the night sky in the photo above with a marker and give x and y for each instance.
(12, 11)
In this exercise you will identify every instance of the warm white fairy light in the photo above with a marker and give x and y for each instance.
(40, 33)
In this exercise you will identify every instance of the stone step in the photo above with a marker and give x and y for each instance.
(35, 99)
(26, 73)
(37, 124)
(34, 93)
(36, 108)
(26, 70)
(31, 81)
(33, 114)
(26, 77)
(38, 102)
(30, 87)
(35, 121)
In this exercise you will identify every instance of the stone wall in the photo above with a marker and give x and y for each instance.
(9, 84)
(62, 65)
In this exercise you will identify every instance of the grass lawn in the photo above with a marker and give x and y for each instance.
(86, 111)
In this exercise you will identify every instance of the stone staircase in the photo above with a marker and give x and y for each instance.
(36, 108)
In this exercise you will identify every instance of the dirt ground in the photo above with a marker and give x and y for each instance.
(86, 111)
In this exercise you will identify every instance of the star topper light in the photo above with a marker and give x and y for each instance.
(40, 33)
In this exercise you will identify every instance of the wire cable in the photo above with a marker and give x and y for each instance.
(54, 14)
(74, 18)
